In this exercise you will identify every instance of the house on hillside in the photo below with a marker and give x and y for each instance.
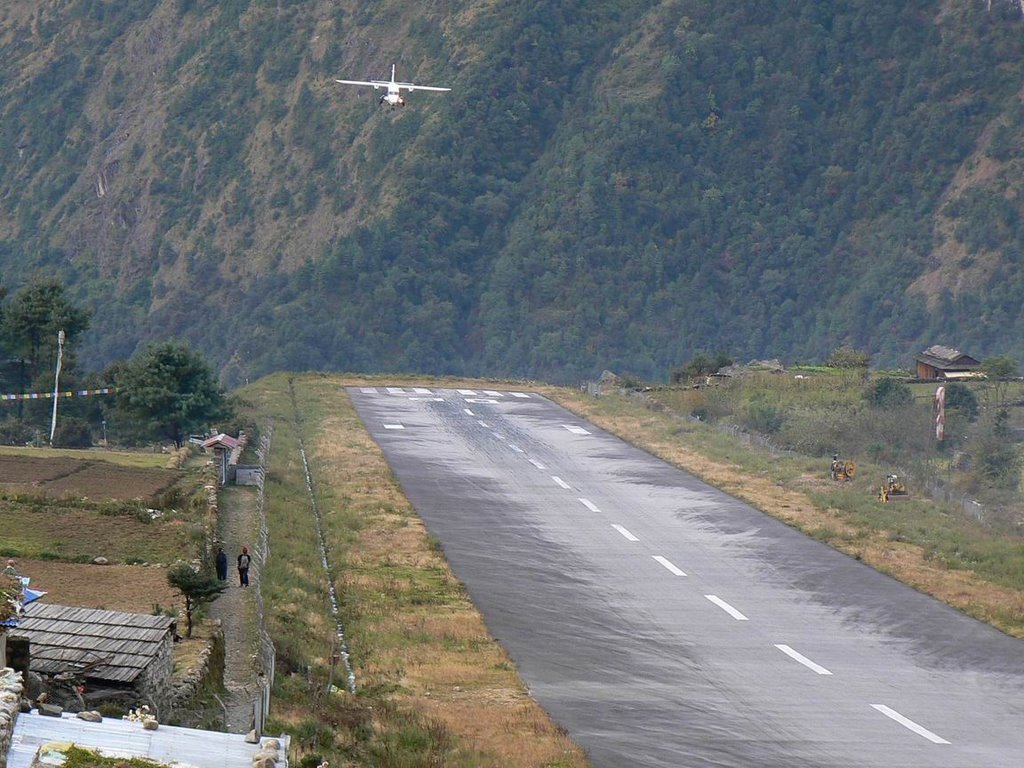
(938, 362)
(115, 654)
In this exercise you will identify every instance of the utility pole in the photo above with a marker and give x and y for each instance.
(56, 384)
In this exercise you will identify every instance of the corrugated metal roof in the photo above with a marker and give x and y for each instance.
(65, 638)
(204, 749)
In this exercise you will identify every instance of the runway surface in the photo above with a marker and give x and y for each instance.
(664, 623)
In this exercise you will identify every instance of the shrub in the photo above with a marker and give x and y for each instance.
(888, 394)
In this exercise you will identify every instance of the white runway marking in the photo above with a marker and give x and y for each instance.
(908, 723)
(422, 391)
(589, 505)
(624, 532)
(668, 565)
(368, 390)
(393, 426)
(560, 482)
(802, 659)
(727, 608)
(467, 392)
(516, 448)
(491, 401)
(428, 399)
(537, 464)
(484, 424)
(395, 391)
(499, 436)
(492, 393)
(468, 412)
(519, 394)
(575, 430)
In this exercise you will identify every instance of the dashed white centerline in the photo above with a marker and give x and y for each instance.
(667, 564)
(468, 412)
(499, 436)
(802, 659)
(484, 424)
(589, 505)
(515, 448)
(726, 607)
(537, 464)
(906, 722)
(560, 481)
(393, 426)
(625, 532)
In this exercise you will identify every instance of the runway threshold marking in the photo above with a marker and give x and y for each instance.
(726, 607)
(395, 390)
(665, 562)
(560, 482)
(796, 656)
(492, 393)
(394, 426)
(368, 390)
(589, 505)
(469, 392)
(624, 532)
(906, 722)
(575, 430)
(537, 464)
(519, 394)
(422, 391)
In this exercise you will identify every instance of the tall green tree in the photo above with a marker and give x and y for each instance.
(32, 321)
(170, 390)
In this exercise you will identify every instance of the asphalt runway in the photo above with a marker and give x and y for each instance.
(663, 623)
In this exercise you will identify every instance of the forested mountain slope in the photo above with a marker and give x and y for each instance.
(610, 183)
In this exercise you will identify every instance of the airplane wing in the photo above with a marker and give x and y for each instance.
(374, 83)
(414, 87)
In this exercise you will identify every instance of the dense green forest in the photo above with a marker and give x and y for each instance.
(610, 184)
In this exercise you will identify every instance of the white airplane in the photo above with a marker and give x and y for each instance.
(395, 88)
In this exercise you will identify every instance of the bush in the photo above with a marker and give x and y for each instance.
(889, 394)
(72, 433)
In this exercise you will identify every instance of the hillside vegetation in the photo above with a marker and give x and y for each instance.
(610, 184)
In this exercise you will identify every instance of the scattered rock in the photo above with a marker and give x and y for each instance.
(150, 725)
(100, 561)
(91, 716)
(251, 737)
(50, 710)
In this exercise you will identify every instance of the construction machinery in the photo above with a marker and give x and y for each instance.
(842, 470)
(893, 489)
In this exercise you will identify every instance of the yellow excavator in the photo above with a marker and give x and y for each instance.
(842, 470)
(893, 489)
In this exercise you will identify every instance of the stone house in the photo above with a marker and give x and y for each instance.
(126, 656)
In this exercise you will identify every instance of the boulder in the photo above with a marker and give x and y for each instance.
(90, 716)
(50, 710)
(252, 737)
(100, 561)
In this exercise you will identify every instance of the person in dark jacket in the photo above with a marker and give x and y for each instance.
(222, 564)
(243, 567)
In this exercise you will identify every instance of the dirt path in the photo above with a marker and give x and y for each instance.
(236, 607)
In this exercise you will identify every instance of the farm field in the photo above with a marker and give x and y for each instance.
(60, 510)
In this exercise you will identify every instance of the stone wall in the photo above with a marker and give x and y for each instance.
(10, 705)
(206, 672)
